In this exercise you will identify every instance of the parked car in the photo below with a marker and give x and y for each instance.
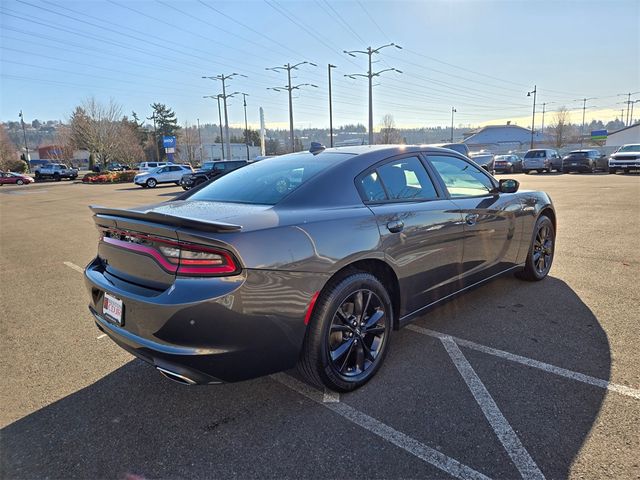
(587, 160)
(308, 258)
(485, 159)
(11, 178)
(509, 163)
(209, 171)
(56, 171)
(541, 160)
(167, 174)
(146, 166)
(626, 158)
(116, 167)
(456, 147)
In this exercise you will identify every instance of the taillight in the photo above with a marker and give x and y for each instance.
(181, 258)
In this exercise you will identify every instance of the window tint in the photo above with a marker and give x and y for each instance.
(536, 154)
(267, 182)
(406, 179)
(372, 187)
(461, 178)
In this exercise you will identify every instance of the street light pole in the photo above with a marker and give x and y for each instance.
(453, 110)
(288, 67)
(223, 79)
(217, 97)
(631, 117)
(199, 139)
(26, 147)
(246, 125)
(533, 119)
(584, 111)
(330, 108)
(370, 74)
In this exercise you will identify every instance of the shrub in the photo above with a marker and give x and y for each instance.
(109, 177)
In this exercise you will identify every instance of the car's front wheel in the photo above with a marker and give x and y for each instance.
(349, 333)
(151, 183)
(541, 251)
(20, 181)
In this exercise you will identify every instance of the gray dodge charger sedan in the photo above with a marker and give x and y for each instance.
(310, 259)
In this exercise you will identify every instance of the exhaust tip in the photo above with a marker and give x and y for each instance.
(176, 377)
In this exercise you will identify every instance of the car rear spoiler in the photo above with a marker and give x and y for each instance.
(164, 219)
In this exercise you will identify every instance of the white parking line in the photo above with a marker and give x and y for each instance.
(510, 441)
(563, 372)
(390, 434)
(330, 397)
(74, 266)
(101, 336)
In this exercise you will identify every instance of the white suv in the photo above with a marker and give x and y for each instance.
(167, 174)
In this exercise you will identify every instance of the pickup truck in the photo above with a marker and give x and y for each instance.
(57, 171)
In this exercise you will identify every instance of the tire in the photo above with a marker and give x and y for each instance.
(38, 176)
(56, 177)
(151, 183)
(511, 169)
(612, 171)
(185, 188)
(541, 251)
(526, 172)
(338, 350)
(19, 182)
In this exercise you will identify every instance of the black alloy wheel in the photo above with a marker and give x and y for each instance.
(540, 256)
(349, 333)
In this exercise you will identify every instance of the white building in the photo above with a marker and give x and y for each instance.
(624, 136)
(213, 151)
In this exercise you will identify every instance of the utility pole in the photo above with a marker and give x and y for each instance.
(223, 79)
(26, 147)
(370, 74)
(155, 135)
(288, 67)
(533, 119)
(330, 108)
(246, 125)
(584, 111)
(199, 139)
(453, 110)
(629, 103)
(631, 117)
(217, 97)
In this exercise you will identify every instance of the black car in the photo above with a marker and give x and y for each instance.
(584, 161)
(509, 163)
(309, 258)
(209, 171)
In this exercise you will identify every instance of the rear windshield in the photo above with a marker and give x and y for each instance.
(535, 154)
(577, 154)
(268, 181)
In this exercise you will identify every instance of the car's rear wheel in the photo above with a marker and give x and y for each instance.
(348, 334)
(151, 183)
(541, 251)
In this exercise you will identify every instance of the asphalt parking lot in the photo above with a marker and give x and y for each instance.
(511, 380)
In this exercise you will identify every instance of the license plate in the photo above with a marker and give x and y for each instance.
(112, 308)
(574, 164)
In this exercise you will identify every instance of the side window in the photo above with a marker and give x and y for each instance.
(404, 179)
(372, 187)
(461, 178)
(175, 169)
(162, 170)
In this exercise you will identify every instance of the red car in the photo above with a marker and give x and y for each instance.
(14, 178)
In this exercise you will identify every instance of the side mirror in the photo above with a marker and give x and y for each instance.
(508, 185)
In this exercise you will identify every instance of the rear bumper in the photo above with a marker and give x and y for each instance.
(576, 167)
(210, 329)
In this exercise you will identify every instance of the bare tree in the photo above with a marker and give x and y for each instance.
(560, 127)
(189, 136)
(388, 132)
(97, 128)
(8, 152)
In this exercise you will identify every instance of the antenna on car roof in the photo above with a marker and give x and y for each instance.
(316, 147)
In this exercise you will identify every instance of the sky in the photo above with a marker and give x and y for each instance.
(479, 57)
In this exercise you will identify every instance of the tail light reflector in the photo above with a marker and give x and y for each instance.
(181, 258)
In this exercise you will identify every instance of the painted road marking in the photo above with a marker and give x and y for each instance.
(510, 441)
(563, 372)
(74, 266)
(101, 336)
(390, 434)
(330, 397)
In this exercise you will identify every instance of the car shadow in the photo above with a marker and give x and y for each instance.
(134, 421)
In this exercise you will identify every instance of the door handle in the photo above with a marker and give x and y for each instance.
(471, 219)
(395, 226)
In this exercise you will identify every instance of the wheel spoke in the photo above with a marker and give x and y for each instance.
(358, 308)
(368, 353)
(373, 320)
(366, 305)
(360, 356)
(340, 328)
(375, 331)
(342, 316)
(342, 349)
